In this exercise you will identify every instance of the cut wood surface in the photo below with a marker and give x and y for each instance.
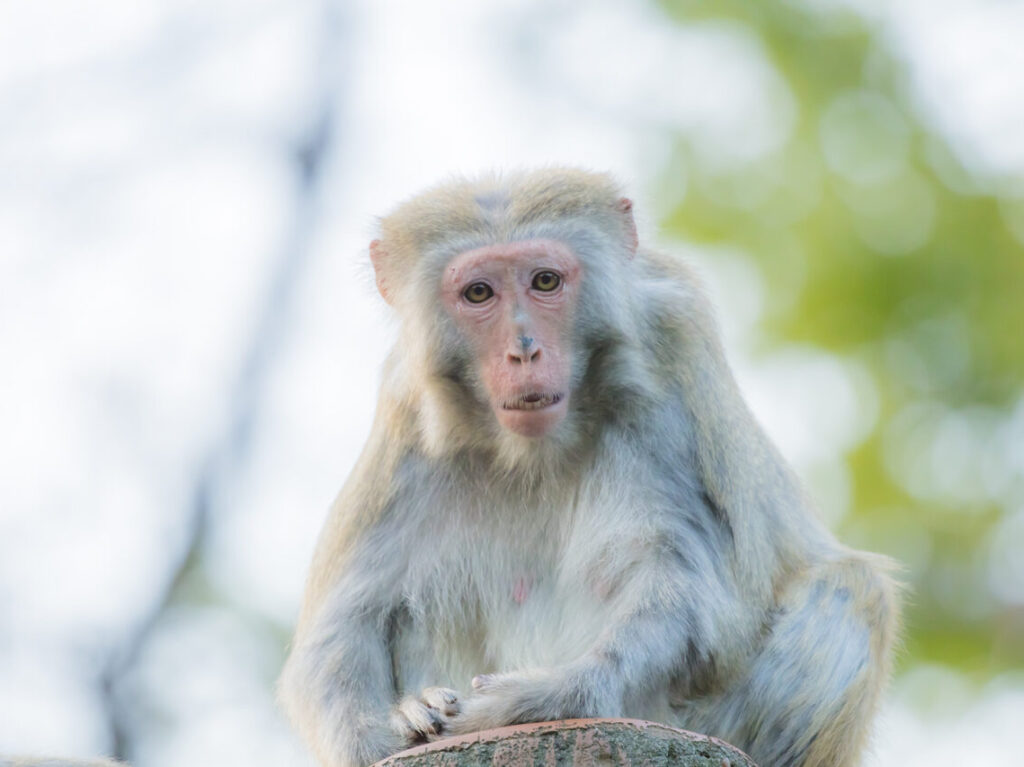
(577, 742)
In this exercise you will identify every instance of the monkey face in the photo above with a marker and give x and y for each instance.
(514, 304)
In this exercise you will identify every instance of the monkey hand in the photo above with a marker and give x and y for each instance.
(427, 717)
(536, 696)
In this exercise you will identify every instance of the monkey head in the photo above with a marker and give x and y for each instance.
(499, 283)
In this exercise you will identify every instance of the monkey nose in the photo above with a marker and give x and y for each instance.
(524, 350)
(519, 357)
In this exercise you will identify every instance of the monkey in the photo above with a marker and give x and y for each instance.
(565, 508)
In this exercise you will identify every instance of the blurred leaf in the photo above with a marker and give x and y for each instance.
(896, 258)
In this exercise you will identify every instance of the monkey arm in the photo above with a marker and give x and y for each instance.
(337, 685)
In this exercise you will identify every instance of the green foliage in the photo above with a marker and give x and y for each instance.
(876, 244)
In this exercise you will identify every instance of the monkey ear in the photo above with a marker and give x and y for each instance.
(378, 257)
(625, 207)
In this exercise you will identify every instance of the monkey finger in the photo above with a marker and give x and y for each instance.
(403, 727)
(483, 681)
(442, 699)
(425, 721)
(480, 713)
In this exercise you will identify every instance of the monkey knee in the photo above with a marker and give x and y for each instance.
(831, 636)
(858, 587)
(871, 599)
(829, 652)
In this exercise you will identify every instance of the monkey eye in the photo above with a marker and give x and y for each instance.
(478, 292)
(546, 281)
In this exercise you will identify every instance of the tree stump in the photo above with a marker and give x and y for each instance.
(577, 742)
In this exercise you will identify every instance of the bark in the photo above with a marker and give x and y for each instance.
(576, 742)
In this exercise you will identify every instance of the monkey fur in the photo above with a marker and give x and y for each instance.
(649, 555)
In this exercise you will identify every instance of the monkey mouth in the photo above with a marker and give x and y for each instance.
(532, 401)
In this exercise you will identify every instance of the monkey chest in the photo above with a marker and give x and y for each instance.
(528, 619)
(521, 604)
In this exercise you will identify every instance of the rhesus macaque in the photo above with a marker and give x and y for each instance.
(565, 509)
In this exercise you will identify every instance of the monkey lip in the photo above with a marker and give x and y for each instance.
(532, 401)
(532, 414)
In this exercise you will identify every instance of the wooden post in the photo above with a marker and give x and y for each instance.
(576, 742)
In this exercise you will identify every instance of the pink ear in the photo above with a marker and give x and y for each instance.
(625, 207)
(378, 257)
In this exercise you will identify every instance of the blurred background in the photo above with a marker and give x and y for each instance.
(190, 340)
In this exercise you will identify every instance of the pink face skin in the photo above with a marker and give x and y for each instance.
(520, 326)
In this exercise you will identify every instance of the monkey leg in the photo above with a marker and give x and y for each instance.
(810, 693)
